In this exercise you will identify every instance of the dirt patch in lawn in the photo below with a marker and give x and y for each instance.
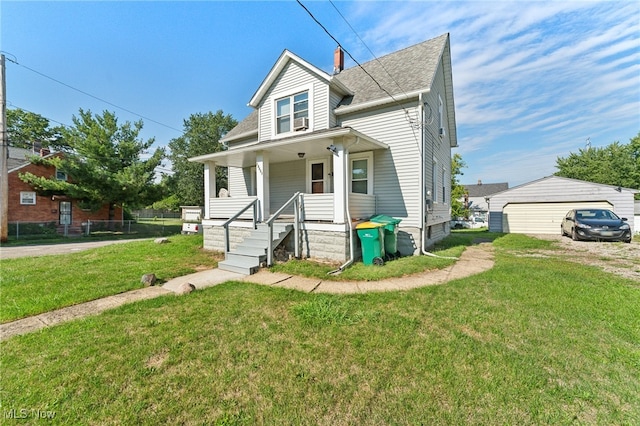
(618, 258)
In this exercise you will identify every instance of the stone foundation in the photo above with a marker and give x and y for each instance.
(326, 245)
(214, 237)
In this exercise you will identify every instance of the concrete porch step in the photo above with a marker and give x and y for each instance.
(252, 251)
(239, 266)
(248, 258)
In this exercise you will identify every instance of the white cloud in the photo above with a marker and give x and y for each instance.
(547, 73)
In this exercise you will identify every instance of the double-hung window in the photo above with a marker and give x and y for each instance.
(361, 173)
(289, 109)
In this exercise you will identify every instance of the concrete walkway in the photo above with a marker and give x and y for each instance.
(474, 259)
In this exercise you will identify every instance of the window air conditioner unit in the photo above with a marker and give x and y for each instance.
(301, 123)
(441, 132)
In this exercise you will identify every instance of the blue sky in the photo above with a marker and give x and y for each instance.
(532, 80)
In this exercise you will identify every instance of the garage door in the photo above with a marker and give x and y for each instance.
(541, 218)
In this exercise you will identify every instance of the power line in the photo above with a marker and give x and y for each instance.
(46, 118)
(367, 47)
(92, 96)
(351, 56)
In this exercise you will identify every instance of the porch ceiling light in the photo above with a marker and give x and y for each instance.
(301, 155)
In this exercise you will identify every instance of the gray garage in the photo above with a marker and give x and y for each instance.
(538, 207)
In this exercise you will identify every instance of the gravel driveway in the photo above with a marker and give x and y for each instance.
(619, 258)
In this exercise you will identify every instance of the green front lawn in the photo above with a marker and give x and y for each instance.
(30, 286)
(532, 341)
(446, 252)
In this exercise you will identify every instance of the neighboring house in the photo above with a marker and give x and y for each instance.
(27, 206)
(538, 207)
(477, 196)
(351, 147)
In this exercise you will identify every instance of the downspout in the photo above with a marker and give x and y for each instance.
(423, 204)
(347, 214)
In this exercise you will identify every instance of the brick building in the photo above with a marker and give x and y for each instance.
(26, 205)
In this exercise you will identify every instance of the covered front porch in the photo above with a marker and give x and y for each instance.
(332, 169)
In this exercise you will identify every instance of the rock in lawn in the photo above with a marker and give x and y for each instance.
(161, 240)
(186, 288)
(148, 280)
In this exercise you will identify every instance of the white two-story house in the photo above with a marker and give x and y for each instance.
(323, 151)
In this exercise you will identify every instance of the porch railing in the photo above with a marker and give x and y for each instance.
(295, 201)
(254, 204)
(314, 207)
(223, 208)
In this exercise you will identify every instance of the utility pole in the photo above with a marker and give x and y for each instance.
(4, 151)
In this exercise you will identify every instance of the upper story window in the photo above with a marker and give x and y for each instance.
(60, 175)
(441, 131)
(292, 113)
(434, 180)
(444, 189)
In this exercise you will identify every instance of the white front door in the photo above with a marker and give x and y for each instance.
(318, 177)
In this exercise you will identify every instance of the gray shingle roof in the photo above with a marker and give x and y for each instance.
(17, 157)
(401, 72)
(404, 71)
(250, 123)
(485, 189)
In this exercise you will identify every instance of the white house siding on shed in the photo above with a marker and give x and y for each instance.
(538, 207)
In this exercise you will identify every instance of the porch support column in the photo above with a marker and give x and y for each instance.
(339, 183)
(262, 185)
(209, 187)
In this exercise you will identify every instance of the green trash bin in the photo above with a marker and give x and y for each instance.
(390, 226)
(372, 237)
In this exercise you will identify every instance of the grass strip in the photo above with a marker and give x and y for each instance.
(30, 286)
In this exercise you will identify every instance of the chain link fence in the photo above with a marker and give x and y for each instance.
(153, 227)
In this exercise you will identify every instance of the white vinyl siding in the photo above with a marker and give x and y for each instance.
(318, 207)
(334, 100)
(437, 152)
(395, 169)
(239, 182)
(285, 180)
(294, 79)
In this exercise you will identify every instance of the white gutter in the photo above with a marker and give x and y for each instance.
(240, 136)
(346, 204)
(377, 102)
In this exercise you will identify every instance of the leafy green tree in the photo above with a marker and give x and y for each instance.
(615, 164)
(202, 134)
(26, 129)
(458, 209)
(103, 163)
(170, 203)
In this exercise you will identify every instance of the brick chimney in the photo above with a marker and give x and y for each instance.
(338, 60)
